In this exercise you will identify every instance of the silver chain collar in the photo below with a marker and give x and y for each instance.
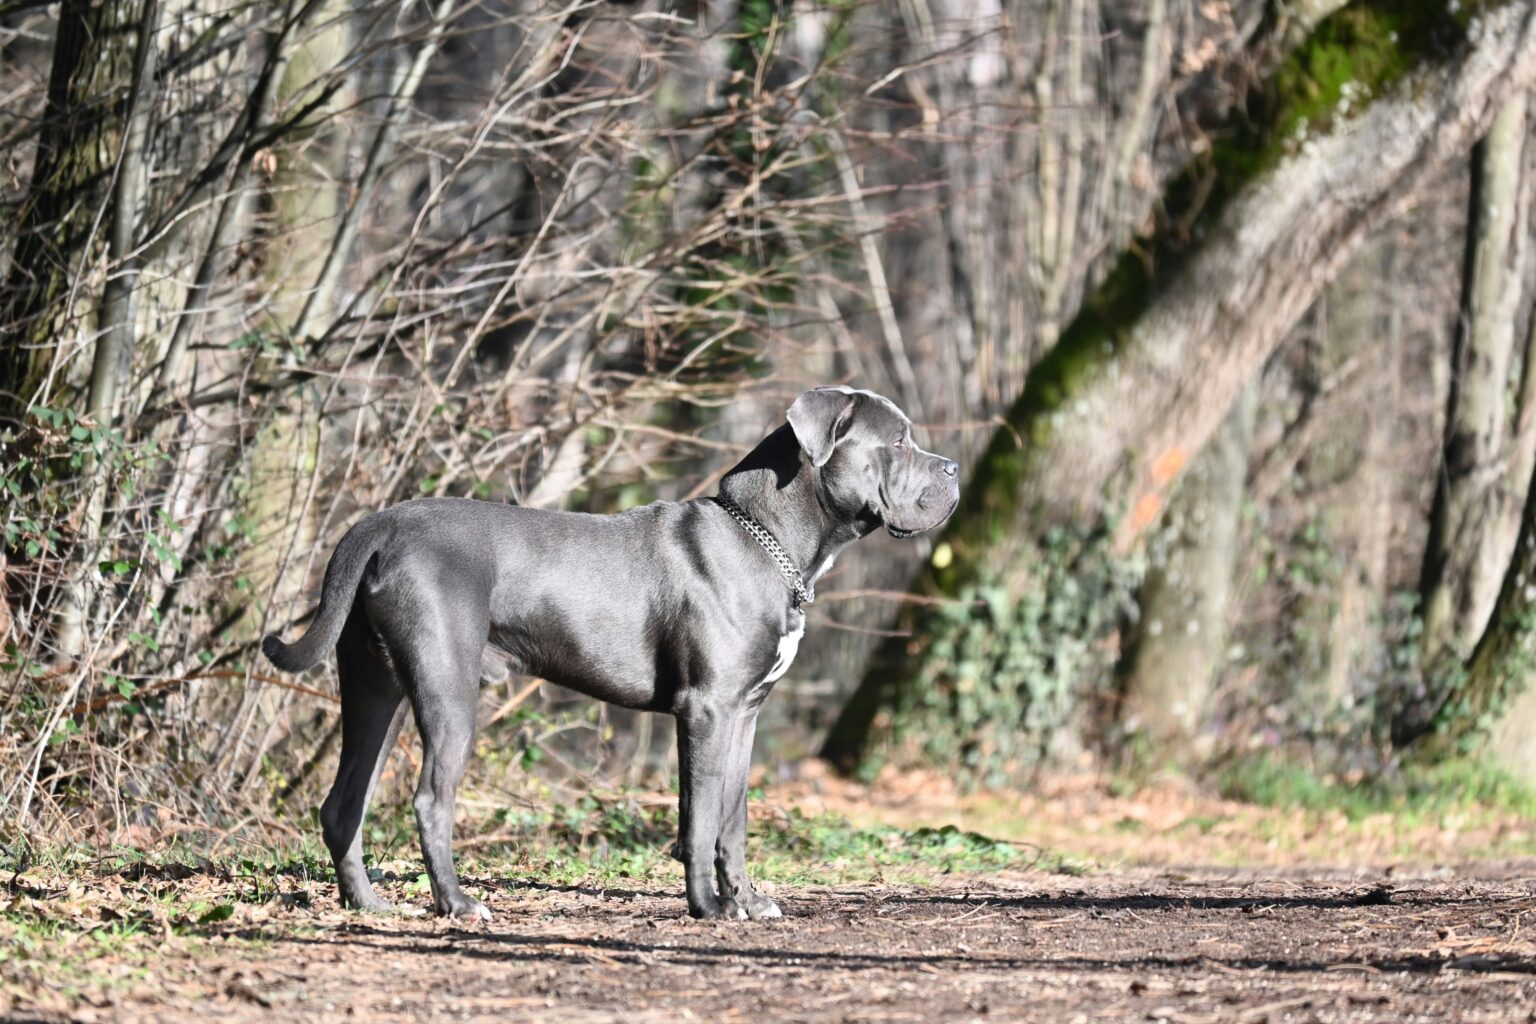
(803, 594)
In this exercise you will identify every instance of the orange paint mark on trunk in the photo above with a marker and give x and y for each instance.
(1145, 510)
(1168, 465)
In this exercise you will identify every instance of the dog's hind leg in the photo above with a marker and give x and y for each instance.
(372, 712)
(443, 675)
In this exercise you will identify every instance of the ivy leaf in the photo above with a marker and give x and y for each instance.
(148, 641)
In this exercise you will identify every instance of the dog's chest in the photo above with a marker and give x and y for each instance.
(789, 646)
(789, 643)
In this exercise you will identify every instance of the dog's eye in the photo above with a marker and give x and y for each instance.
(900, 442)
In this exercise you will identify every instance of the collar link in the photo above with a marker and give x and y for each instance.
(801, 591)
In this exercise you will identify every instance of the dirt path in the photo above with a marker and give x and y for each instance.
(1133, 947)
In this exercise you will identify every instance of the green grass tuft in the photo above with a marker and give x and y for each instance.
(1413, 793)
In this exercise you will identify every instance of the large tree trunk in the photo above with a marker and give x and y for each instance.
(117, 334)
(77, 255)
(1350, 469)
(1175, 651)
(1144, 375)
(1512, 739)
(73, 267)
(1470, 532)
(61, 239)
(1494, 684)
(1331, 529)
(307, 197)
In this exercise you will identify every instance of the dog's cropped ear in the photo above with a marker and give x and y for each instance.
(820, 418)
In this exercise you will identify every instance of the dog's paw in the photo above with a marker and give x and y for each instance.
(465, 910)
(369, 903)
(761, 908)
(720, 910)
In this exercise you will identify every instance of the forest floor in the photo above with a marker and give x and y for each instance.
(1171, 905)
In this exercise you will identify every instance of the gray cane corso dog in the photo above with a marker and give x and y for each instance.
(689, 608)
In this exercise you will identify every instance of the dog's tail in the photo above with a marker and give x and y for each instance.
(342, 576)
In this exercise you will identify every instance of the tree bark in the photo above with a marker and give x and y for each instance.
(227, 219)
(117, 331)
(61, 236)
(1302, 16)
(1364, 334)
(1147, 370)
(1470, 534)
(1176, 648)
(307, 196)
(304, 200)
(1512, 741)
(1500, 666)
(1335, 527)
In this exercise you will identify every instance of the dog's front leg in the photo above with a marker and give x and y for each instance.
(731, 847)
(704, 733)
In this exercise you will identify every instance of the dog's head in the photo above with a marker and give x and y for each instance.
(868, 466)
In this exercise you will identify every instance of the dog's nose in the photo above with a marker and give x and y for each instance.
(949, 467)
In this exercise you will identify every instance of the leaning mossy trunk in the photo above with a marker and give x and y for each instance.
(1346, 129)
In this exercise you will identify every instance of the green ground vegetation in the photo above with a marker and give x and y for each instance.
(1415, 794)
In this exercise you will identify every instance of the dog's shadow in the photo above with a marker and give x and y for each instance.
(512, 886)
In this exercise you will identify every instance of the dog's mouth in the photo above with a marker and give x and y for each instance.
(875, 516)
(903, 532)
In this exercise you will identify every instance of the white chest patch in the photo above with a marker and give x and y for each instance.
(822, 571)
(789, 646)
